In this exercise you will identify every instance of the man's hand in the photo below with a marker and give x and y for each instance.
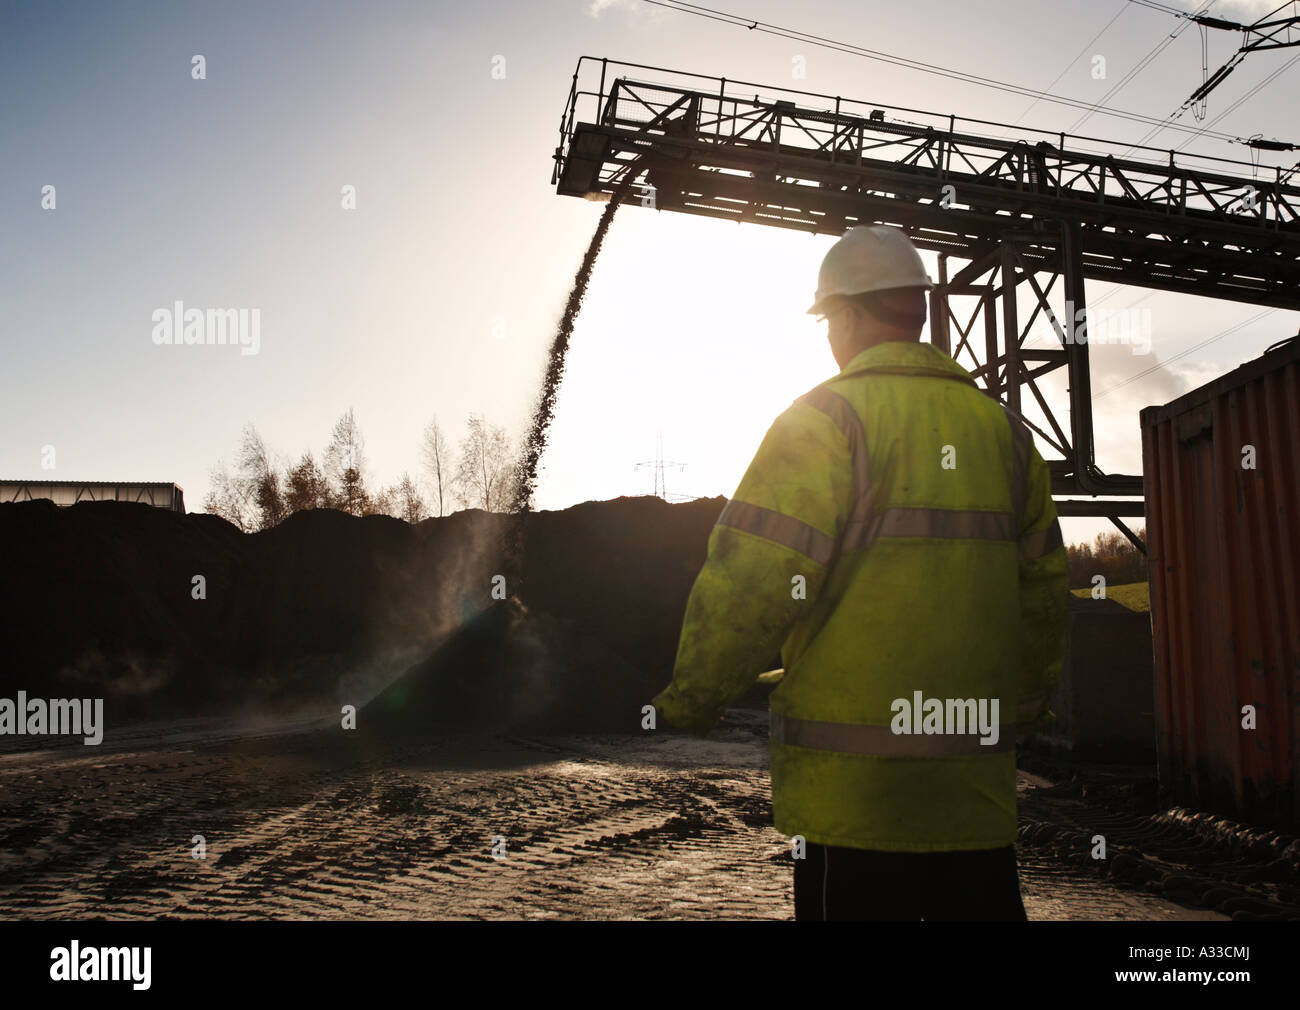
(683, 712)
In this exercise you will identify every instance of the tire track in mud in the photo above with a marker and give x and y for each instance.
(302, 827)
(303, 832)
(1193, 859)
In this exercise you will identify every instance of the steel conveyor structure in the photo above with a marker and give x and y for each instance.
(1049, 211)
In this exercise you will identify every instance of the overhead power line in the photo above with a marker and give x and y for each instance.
(1064, 70)
(853, 50)
(1162, 8)
(1198, 98)
(1262, 34)
(1141, 65)
(1257, 143)
(1183, 354)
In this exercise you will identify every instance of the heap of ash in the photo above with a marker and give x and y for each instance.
(513, 669)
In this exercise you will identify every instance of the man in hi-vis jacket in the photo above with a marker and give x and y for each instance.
(896, 541)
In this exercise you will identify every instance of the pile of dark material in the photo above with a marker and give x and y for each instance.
(511, 669)
(328, 609)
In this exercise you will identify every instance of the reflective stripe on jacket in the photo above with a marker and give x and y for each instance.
(896, 540)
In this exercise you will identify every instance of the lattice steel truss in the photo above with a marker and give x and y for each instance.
(1016, 208)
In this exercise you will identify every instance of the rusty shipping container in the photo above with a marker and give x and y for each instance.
(1222, 473)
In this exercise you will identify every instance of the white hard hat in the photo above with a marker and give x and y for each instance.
(869, 259)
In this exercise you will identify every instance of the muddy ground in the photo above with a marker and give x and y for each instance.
(317, 824)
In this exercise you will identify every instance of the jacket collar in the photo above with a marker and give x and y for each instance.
(904, 357)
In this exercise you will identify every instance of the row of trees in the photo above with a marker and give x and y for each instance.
(1110, 555)
(262, 489)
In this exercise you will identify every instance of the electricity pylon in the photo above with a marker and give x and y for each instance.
(659, 463)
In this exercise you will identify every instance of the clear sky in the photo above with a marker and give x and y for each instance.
(439, 294)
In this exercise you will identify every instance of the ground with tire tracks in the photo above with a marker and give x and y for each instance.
(662, 826)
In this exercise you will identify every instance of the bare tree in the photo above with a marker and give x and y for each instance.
(261, 492)
(1110, 555)
(485, 472)
(345, 465)
(260, 478)
(410, 506)
(437, 462)
(401, 501)
(229, 498)
(305, 486)
(252, 496)
(381, 502)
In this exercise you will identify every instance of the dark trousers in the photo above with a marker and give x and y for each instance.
(841, 883)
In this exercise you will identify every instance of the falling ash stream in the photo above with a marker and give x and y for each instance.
(535, 443)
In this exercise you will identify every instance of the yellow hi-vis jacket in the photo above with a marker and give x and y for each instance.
(895, 538)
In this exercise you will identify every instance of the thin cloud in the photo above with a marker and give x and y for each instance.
(598, 7)
(1248, 11)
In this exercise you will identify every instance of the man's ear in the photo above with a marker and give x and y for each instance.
(856, 319)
